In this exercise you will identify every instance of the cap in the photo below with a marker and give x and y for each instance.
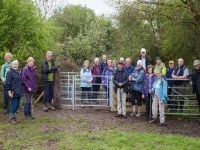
(143, 50)
(196, 62)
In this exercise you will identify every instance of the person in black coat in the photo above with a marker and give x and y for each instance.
(195, 76)
(143, 57)
(49, 69)
(15, 91)
(120, 81)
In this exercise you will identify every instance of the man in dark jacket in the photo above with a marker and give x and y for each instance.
(120, 81)
(195, 76)
(48, 70)
(103, 63)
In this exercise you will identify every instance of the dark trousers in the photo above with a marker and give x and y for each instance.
(14, 105)
(86, 93)
(27, 104)
(48, 91)
(148, 101)
(95, 89)
(6, 98)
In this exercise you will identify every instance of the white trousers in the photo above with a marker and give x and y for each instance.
(157, 104)
(121, 101)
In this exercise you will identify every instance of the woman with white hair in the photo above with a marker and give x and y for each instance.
(96, 73)
(48, 75)
(14, 87)
(29, 86)
(86, 81)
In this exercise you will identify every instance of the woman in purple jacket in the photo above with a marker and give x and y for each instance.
(146, 90)
(96, 82)
(29, 86)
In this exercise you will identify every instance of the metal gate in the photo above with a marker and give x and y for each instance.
(72, 94)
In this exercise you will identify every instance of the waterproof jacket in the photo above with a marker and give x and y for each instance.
(161, 67)
(107, 76)
(195, 76)
(86, 77)
(146, 85)
(121, 77)
(163, 90)
(29, 79)
(14, 83)
(46, 70)
(139, 75)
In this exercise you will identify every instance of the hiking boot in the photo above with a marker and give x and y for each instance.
(45, 108)
(124, 116)
(133, 114)
(13, 120)
(5, 111)
(138, 114)
(50, 106)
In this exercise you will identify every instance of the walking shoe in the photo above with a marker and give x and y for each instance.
(12, 120)
(45, 108)
(118, 115)
(162, 124)
(138, 114)
(124, 116)
(133, 114)
(50, 106)
(5, 111)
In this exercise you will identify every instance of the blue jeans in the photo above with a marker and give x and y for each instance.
(14, 105)
(27, 104)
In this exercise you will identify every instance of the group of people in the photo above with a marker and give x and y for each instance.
(18, 83)
(142, 81)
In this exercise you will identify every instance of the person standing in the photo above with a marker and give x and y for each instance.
(120, 81)
(129, 69)
(107, 74)
(147, 90)
(160, 97)
(195, 77)
(13, 85)
(180, 74)
(143, 57)
(169, 73)
(4, 70)
(29, 86)
(96, 73)
(86, 81)
(137, 78)
(48, 75)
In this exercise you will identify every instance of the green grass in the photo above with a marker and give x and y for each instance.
(45, 133)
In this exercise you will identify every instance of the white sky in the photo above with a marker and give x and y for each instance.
(99, 6)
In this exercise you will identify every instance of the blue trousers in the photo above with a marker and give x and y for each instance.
(48, 91)
(14, 105)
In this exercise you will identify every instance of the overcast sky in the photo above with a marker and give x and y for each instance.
(99, 6)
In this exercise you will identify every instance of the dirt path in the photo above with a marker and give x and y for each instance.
(95, 119)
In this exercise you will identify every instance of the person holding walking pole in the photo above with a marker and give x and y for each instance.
(120, 81)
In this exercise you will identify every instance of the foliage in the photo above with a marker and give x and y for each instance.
(23, 32)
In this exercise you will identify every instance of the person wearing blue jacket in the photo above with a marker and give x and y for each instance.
(137, 78)
(13, 85)
(160, 98)
(86, 81)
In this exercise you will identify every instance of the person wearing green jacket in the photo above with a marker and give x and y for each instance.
(160, 66)
(4, 70)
